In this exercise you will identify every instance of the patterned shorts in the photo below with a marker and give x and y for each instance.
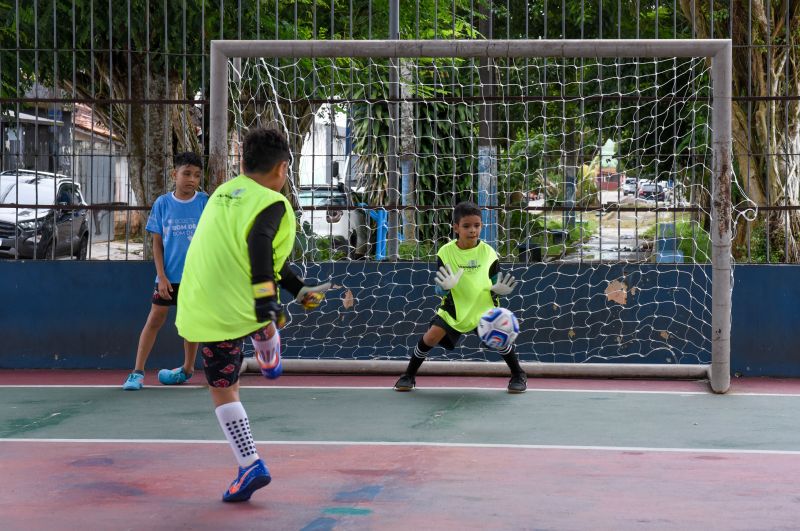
(223, 360)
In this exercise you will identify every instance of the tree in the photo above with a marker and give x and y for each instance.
(767, 133)
(142, 62)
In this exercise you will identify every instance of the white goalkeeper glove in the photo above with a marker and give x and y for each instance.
(446, 279)
(505, 284)
(311, 297)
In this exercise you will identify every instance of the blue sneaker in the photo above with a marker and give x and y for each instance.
(134, 382)
(174, 376)
(248, 481)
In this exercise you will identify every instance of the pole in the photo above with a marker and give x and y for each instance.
(721, 234)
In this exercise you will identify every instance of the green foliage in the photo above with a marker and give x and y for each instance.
(757, 251)
(627, 19)
(693, 241)
(422, 250)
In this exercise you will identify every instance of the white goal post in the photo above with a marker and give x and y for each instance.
(716, 52)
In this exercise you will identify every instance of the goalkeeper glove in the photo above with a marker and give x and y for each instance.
(505, 284)
(311, 297)
(446, 279)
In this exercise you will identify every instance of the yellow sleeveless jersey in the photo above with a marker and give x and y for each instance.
(216, 295)
(464, 305)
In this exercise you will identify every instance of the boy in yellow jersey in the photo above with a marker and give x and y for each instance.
(469, 282)
(229, 290)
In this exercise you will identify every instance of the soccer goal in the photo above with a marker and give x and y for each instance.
(602, 168)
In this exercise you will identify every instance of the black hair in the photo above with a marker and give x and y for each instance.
(463, 209)
(263, 149)
(187, 158)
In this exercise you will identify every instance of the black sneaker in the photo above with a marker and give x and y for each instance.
(405, 383)
(518, 383)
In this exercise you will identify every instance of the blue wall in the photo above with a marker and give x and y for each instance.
(88, 315)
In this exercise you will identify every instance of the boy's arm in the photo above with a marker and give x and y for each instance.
(494, 269)
(262, 271)
(164, 285)
(309, 297)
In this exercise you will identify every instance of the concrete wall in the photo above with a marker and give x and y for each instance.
(88, 315)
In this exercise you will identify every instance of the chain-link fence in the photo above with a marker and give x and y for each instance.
(97, 98)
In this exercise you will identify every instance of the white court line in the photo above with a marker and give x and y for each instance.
(418, 390)
(68, 386)
(431, 444)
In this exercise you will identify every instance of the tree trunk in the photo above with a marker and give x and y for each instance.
(407, 154)
(150, 140)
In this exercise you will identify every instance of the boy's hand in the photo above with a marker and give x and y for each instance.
(505, 284)
(269, 309)
(310, 297)
(446, 279)
(164, 289)
(266, 304)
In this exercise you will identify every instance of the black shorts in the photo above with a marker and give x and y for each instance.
(452, 336)
(158, 301)
(223, 360)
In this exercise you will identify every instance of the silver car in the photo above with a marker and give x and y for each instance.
(52, 222)
(629, 186)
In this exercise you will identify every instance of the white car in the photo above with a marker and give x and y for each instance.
(629, 186)
(319, 212)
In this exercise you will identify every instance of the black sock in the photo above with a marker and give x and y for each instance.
(139, 372)
(420, 352)
(510, 357)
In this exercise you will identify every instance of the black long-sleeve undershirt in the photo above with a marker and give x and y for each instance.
(260, 249)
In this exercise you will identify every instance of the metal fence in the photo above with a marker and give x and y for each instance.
(105, 93)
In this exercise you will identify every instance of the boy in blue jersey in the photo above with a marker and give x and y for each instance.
(172, 223)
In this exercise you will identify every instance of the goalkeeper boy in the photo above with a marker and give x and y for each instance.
(469, 282)
(228, 292)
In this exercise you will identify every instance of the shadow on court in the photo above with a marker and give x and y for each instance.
(457, 457)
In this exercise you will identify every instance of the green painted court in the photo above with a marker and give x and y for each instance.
(349, 453)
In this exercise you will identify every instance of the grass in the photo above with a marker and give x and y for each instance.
(693, 241)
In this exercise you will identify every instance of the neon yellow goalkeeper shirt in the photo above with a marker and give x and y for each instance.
(216, 294)
(463, 306)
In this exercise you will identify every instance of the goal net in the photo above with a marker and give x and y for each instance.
(602, 170)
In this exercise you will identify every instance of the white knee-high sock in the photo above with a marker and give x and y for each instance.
(234, 422)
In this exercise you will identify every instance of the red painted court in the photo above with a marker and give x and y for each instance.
(349, 453)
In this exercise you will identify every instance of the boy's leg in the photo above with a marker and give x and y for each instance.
(189, 355)
(184, 373)
(519, 380)
(155, 320)
(221, 364)
(432, 337)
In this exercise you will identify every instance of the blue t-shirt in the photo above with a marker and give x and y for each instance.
(175, 220)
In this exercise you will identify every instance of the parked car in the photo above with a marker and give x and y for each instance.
(40, 230)
(324, 219)
(652, 192)
(629, 186)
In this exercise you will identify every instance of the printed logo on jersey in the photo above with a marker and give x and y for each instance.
(232, 199)
(179, 228)
(472, 264)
